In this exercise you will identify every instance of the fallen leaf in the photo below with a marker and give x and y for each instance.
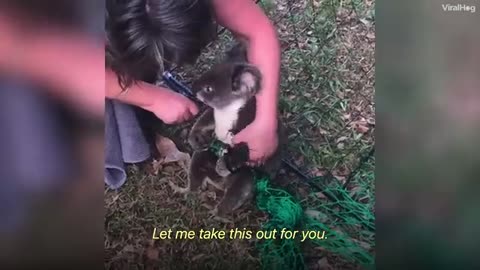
(299, 160)
(341, 139)
(366, 22)
(155, 167)
(340, 178)
(177, 189)
(197, 257)
(341, 146)
(303, 192)
(323, 264)
(341, 170)
(169, 152)
(355, 189)
(128, 248)
(312, 213)
(152, 253)
(212, 195)
(319, 172)
(362, 128)
(317, 215)
(321, 249)
(169, 169)
(114, 199)
(371, 121)
(320, 195)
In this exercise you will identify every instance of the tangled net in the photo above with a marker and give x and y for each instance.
(285, 212)
(337, 216)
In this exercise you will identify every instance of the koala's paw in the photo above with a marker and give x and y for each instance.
(237, 157)
(221, 168)
(234, 162)
(199, 141)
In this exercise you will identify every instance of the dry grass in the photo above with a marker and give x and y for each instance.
(327, 102)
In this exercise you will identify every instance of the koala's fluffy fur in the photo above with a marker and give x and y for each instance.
(229, 90)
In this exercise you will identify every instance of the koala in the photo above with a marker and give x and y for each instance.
(228, 89)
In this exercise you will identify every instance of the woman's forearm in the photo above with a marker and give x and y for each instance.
(246, 19)
(140, 94)
(134, 95)
(264, 52)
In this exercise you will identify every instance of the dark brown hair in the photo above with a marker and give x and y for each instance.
(146, 36)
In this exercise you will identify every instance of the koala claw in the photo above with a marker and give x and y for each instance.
(234, 163)
(178, 189)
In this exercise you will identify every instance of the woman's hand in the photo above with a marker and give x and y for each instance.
(171, 107)
(167, 105)
(261, 138)
(248, 21)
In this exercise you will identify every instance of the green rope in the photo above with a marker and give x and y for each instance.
(285, 212)
(218, 148)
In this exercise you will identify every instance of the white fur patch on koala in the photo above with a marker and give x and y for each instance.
(225, 119)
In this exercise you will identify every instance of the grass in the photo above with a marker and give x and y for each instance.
(327, 103)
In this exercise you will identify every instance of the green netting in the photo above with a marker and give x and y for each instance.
(348, 224)
(286, 212)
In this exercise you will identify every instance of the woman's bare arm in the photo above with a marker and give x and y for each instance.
(246, 19)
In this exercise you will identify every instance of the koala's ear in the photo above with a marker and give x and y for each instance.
(246, 79)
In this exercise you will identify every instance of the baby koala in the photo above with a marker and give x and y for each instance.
(228, 89)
